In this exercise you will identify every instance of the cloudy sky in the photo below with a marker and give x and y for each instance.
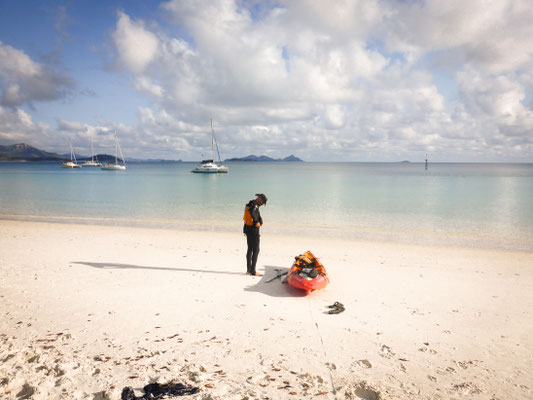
(326, 80)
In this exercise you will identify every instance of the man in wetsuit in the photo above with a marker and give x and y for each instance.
(252, 223)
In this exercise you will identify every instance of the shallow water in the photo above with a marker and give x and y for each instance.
(479, 205)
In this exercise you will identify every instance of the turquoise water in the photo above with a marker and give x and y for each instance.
(479, 205)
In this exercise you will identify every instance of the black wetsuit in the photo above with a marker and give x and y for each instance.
(252, 237)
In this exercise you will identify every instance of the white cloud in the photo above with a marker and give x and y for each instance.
(492, 36)
(311, 77)
(24, 81)
(144, 84)
(17, 126)
(343, 80)
(242, 67)
(135, 45)
(340, 20)
(500, 97)
(334, 116)
(73, 126)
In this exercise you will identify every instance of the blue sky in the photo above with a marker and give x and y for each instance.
(343, 81)
(74, 37)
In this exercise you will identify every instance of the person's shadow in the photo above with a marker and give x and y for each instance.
(150, 268)
(273, 283)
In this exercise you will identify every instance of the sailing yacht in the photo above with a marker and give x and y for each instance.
(116, 166)
(92, 162)
(209, 166)
(72, 163)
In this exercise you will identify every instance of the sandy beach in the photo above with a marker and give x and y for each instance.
(88, 310)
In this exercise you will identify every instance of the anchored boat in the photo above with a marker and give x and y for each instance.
(116, 166)
(209, 166)
(72, 163)
(93, 162)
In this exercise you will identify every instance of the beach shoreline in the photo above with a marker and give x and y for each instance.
(361, 233)
(90, 309)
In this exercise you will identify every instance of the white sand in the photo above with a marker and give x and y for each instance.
(88, 310)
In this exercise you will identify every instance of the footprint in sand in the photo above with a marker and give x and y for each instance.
(466, 388)
(366, 392)
(26, 392)
(386, 352)
(363, 364)
(467, 364)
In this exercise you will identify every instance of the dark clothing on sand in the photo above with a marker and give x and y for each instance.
(155, 391)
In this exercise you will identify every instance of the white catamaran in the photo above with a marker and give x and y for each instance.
(116, 166)
(209, 166)
(72, 163)
(92, 162)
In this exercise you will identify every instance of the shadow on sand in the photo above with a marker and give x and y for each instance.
(274, 287)
(266, 285)
(149, 268)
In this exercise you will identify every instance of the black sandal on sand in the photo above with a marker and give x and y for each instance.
(336, 310)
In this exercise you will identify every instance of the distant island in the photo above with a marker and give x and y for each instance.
(103, 158)
(255, 158)
(25, 152)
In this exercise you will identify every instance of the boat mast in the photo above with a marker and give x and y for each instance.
(92, 152)
(120, 150)
(212, 141)
(72, 155)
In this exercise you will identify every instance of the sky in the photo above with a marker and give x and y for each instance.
(342, 80)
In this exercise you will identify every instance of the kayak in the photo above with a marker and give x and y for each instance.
(307, 273)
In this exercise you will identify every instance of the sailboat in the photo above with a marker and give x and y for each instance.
(72, 163)
(92, 162)
(116, 166)
(209, 166)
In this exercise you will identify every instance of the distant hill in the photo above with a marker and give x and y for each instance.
(255, 158)
(25, 152)
(156, 160)
(103, 158)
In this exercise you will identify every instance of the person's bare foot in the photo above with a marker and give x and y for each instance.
(258, 274)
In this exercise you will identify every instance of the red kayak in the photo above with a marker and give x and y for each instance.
(307, 273)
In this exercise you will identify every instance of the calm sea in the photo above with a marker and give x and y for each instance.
(478, 205)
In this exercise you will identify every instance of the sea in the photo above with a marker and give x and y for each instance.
(448, 204)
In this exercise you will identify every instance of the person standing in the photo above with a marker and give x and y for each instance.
(252, 223)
